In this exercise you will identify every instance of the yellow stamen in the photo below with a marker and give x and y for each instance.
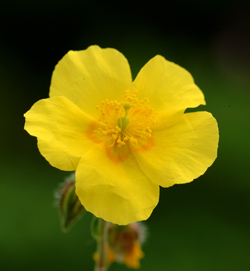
(126, 121)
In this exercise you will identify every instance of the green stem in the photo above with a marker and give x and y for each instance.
(101, 263)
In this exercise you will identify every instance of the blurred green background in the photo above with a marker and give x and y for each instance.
(204, 225)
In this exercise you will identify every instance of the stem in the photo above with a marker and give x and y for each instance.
(101, 263)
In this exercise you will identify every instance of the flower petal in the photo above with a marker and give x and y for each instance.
(61, 129)
(169, 87)
(132, 259)
(117, 192)
(90, 76)
(182, 152)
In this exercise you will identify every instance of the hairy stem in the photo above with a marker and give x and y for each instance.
(101, 263)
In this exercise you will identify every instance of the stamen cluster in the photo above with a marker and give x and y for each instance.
(129, 120)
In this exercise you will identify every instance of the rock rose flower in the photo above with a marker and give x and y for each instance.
(123, 138)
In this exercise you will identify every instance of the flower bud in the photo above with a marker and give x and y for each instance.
(70, 208)
(125, 244)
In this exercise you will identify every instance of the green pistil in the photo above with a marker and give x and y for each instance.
(124, 121)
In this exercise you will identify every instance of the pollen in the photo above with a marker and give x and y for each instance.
(128, 121)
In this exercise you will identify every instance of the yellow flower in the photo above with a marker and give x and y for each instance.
(124, 139)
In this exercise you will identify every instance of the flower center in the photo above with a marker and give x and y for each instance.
(126, 121)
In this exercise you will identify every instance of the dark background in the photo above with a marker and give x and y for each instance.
(204, 225)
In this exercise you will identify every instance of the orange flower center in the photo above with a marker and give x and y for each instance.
(126, 121)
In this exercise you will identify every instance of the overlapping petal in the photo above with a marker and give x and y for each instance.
(182, 152)
(117, 192)
(169, 88)
(60, 127)
(90, 76)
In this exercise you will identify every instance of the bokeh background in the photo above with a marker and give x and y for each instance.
(204, 225)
